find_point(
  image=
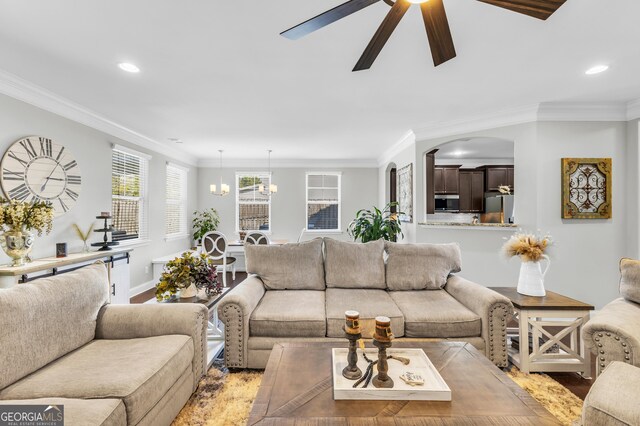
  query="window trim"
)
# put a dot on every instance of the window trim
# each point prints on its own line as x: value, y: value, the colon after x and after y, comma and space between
x: 237, y: 201
x: 143, y: 238
x: 184, y: 190
x: 306, y: 204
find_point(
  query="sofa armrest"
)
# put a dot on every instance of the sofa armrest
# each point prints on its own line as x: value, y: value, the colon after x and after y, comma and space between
x: 137, y: 321
x: 494, y: 310
x: 613, y: 334
x: 235, y: 310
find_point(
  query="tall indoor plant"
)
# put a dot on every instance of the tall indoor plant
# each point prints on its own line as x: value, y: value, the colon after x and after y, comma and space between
x: 203, y: 222
x: 19, y: 220
x: 371, y: 225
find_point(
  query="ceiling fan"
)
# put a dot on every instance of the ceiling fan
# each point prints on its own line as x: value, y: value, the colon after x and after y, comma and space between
x: 435, y: 21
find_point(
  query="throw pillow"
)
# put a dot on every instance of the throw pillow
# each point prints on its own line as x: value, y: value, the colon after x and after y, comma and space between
x: 295, y: 266
x: 420, y: 266
x: 354, y: 265
x: 630, y: 279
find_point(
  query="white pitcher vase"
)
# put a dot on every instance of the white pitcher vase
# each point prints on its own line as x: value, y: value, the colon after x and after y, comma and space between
x: 531, y: 281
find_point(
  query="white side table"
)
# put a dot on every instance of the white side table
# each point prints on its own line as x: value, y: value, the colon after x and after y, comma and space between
x: 548, y: 332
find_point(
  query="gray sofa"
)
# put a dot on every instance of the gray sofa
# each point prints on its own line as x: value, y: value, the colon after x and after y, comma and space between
x: 613, y: 334
x: 300, y: 292
x: 62, y: 343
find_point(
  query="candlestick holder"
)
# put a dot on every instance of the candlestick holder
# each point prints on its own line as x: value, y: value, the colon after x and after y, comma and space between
x: 353, y: 334
x: 382, y: 340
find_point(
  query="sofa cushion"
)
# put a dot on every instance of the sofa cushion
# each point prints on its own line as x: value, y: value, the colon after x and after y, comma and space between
x: 420, y: 266
x: 613, y: 398
x: 435, y: 313
x: 48, y: 318
x: 630, y: 279
x: 138, y: 371
x: 289, y: 313
x: 354, y: 265
x: 94, y: 412
x: 369, y: 303
x: 296, y: 266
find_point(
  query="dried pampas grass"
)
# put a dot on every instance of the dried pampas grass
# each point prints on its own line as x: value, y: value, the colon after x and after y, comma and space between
x: 530, y: 247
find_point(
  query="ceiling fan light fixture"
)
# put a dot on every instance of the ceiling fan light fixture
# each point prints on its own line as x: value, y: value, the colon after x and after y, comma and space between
x: 597, y: 69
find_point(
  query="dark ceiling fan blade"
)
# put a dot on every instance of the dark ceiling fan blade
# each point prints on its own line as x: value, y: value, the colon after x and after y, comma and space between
x: 437, y: 26
x: 326, y: 18
x: 540, y: 9
x: 381, y: 36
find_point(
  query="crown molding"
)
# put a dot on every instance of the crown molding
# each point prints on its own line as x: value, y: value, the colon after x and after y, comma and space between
x: 633, y: 110
x: 566, y: 111
x: 260, y: 163
x: 519, y: 115
x: 404, y: 142
x: 23, y: 90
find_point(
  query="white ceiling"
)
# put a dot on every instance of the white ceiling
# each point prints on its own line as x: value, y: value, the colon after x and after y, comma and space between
x: 476, y: 149
x: 217, y: 74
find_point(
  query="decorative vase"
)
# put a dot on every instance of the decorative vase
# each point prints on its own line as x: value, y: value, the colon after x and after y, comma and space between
x: 188, y: 292
x: 17, y: 244
x: 531, y: 281
x: 85, y: 247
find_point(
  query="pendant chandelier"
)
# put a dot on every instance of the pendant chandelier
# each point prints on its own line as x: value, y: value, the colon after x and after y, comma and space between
x: 224, y: 188
x: 273, y: 188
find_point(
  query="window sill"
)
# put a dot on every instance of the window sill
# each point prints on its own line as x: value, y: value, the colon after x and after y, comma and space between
x: 323, y: 231
x: 175, y: 237
x: 134, y: 243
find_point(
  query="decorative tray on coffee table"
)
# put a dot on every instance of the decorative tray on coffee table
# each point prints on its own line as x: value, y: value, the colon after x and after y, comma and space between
x: 433, y: 389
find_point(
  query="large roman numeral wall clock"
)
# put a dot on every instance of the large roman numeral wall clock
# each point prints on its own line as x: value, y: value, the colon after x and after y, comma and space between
x: 37, y: 169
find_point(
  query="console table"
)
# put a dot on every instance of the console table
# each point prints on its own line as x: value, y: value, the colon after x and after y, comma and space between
x: 116, y: 261
x: 536, y: 316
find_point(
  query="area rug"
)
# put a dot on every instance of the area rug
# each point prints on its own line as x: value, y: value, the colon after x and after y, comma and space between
x: 225, y: 399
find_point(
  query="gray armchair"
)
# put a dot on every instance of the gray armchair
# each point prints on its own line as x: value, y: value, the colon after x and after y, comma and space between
x: 613, y: 334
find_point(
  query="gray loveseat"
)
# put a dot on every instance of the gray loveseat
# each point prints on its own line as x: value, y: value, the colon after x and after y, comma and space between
x: 62, y: 343
x: 300, y: 292
x: 613, y: 334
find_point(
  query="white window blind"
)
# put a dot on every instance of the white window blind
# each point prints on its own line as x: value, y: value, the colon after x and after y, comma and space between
x: 129, y: 174
x: 323, y: 201
x: 176, y: 201
x: 253, y: 208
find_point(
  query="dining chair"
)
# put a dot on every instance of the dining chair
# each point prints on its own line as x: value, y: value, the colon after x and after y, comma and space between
x: 215, y: 245
x: 256, y: 237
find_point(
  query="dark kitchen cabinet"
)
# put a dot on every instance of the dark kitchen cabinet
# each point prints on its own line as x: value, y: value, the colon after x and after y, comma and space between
x: 446, y: 180
x: 471, y: 191
x: 510, y: 179
x: 498, y: 176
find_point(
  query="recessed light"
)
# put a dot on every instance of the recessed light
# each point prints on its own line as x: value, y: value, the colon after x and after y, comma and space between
x: 126, y: 66
x: 597, y: 69
x: 458, y: 153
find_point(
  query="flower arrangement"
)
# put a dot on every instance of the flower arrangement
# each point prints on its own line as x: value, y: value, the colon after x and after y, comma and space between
x: 29, y: 216
x: 504, y: 189
x: 183, y: 271
x: 84, y: 236
x: 530, y: 247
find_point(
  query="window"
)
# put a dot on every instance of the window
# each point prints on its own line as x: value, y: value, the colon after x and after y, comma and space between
x: 176, y: 201
x: 323, y: 201
x: 129, y: 173
x: 253, y: 208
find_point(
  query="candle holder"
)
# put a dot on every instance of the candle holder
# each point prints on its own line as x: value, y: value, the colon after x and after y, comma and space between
x: 382, y: 340
x: 353, y: 333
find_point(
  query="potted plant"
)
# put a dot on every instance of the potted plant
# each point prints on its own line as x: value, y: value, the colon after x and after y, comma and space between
x: 371, y: 225
x: 203, y: 222
x: 183, y: 275
x: 18, y: 220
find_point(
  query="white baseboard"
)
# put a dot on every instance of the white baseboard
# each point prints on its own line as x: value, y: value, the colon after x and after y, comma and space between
x: 134, y: 291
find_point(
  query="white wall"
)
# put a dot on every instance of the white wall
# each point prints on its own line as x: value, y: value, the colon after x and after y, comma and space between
x: 633, y: 189
x: 586, y: 252
x: 288, y: 206
x: 92, y: 150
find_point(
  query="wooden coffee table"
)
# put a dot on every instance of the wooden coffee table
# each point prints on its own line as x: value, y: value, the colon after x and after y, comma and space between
x: 297, y: 389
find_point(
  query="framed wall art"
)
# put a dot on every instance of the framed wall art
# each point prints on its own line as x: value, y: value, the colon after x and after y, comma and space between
x: 586, y: 188
x: 405, y: 193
